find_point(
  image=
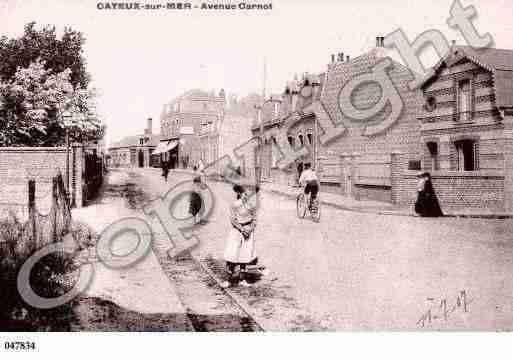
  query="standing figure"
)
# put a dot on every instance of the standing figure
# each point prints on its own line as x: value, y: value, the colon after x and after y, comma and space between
x: 427, y: 203
x: 195, y: 200
x: 165, y: 170
x: 240, y: 243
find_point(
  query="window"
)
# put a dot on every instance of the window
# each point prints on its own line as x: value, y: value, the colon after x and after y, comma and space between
x: 310, y: 138
x: 275, y: 153
x: 301, y: 141
x: 467, y: 155
x: 433, y: 154
x: 141, y: 141
x: 414, y: 165
x: 291, y: 141
x: 464, y: 100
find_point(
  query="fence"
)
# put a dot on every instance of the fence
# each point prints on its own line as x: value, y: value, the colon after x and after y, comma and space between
x: 40, y: 230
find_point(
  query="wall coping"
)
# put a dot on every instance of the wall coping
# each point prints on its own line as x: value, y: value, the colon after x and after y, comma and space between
x: 32, y: 149
x: 470, y: 174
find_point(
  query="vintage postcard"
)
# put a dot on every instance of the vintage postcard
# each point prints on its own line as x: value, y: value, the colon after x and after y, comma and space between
x: 255, y: 166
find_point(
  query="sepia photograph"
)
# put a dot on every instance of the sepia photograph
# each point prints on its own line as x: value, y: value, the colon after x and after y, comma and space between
x: 262, y: 166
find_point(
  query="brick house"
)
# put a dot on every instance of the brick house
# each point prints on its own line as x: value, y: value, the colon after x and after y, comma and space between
x: 466, y: 128
x: 134, y: 151
x: 192, y: 118
x: 359, y: 161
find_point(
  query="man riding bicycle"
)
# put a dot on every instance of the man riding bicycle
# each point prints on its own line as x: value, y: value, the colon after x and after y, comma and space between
x: 311, y: 182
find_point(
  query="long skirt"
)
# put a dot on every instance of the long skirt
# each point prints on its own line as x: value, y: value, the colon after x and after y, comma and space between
x: 427, y: 205
x: 195, y: 203
x: 239, y: 249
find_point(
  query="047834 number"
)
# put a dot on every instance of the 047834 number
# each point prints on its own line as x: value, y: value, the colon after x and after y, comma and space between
x: 20, y: 345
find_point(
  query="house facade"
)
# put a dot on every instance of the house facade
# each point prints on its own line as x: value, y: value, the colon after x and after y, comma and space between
x: 465, y: 127
x: 134, y: 151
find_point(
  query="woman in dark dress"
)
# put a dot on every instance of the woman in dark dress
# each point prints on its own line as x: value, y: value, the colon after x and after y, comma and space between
x: 195, y: 201
x: 427, y: 203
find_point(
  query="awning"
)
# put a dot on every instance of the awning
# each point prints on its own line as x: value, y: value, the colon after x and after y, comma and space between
x: 172, y: 144
x: 165, y: 146
x: 161, y: 148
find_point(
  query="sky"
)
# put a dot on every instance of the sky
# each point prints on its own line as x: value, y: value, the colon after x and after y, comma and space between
x: 140, y: 60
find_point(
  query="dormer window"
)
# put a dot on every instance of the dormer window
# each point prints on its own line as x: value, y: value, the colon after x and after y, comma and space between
x: 430, y: 104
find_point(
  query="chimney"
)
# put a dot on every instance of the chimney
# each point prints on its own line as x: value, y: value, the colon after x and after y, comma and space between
x: 293, y: 94
x: 341, y: 57
x: 380, y: 41
x: 149, y: 126
x: 332, y: 58
x: 276, y: 110
x: 347, y: 58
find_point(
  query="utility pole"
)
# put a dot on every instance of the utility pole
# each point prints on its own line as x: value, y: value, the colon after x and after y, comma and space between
x: 260, y: 147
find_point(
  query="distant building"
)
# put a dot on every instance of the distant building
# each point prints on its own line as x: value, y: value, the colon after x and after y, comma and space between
x: 134, y: 151
x: 191, y: 120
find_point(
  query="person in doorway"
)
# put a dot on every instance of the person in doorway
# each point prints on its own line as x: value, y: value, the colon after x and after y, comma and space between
x: 427, y: 203
x: 240, y: 243
x: 311, y: 182
x: 195, y: 200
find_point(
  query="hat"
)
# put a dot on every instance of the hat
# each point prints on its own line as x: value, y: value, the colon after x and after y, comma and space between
x: 423, y: 174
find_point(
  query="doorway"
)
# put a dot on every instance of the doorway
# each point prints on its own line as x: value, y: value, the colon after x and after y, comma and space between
x: 141, y: 159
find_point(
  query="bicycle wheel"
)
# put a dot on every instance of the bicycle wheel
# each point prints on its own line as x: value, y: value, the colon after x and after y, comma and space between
x: 301, y: 205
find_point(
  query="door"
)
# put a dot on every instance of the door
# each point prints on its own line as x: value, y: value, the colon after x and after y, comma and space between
x: 141, y: 159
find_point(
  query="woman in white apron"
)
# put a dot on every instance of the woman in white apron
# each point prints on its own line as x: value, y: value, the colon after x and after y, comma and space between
x: 240, y: 243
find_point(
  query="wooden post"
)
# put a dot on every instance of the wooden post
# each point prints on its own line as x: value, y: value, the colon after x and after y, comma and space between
x: 32, y: 212
x: 55, y: 193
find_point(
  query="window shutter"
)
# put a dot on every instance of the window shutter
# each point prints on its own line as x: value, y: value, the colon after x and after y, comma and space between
x: 476, y: 156
x: 457, y: 92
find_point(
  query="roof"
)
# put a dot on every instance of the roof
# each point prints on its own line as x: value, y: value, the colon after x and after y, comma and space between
x: 131, y: 141
x: 497, y: 61
x: 199, y: 95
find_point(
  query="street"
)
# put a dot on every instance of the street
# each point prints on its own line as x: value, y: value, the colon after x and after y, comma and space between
x: 356, y: 271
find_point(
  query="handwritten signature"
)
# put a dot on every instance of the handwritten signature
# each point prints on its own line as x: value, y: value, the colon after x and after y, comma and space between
x: 445, y: 309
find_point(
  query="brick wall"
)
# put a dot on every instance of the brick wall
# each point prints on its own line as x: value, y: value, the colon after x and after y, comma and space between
x: 403, y: 135
x: 458, y: 190
x: 372, y: 192
x: 19, y: 164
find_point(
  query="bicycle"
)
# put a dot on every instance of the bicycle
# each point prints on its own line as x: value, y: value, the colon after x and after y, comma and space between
x: 302, y: 206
